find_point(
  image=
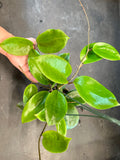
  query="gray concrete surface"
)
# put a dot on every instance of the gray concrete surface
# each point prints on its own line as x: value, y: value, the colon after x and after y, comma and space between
x: 94, y: 139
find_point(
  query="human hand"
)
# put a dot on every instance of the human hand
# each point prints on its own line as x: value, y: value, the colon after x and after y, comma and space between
x: 21, y: 63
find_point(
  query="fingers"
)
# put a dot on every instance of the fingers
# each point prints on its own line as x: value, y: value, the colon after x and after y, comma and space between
x: 33, y: 40
x: 30, y: 77
x: 25, y: 70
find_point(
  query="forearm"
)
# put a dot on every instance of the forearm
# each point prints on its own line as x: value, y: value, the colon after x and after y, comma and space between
x: 4, y: 35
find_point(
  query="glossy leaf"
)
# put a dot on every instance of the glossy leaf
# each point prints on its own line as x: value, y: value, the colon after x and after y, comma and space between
x: 54, y: 142
x: 94, y: 93
x: 54, y: 68
x: 41, y: 116
x: 52, y: 41
x: 61, y: 127
x: 71, y: 121
x: 66, y: 56
x: 33, y: 106
x: 75, y: 95
x: 91, y: 56
x: 56, y: 107
x: 17, y: 46
x: 29, y: 91
x: 106, y: 51
x: 35, y: 70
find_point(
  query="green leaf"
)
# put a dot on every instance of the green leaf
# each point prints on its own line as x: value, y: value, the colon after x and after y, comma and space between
x: 29, y: 91
x: 76, y: 96
x: 56, y: 107
x: 34, y: 69
x: 41, y: 116
x: 54, y: 142
x: 66, y: 56
x: 17, y: 46
x: 106, y: 51
x: 71, y: 121
x: 54, y: 68
x: 20, y: 105
x: 52, y: 41
x: 94, y: 93
x: 33, y: 106
x: 61, y: 127
x: 91, y: 56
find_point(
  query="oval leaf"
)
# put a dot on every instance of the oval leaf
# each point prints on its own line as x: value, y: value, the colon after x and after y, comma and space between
x: 54, y: 142
x: 94, y: 93
x: 54, y: 68
x: 71, y: 121
x: 35, y: 70
x: 61, y: 127
x: 33, y: 106
x: 56, y: 107
x: 66, y: 56
x: 41, y: 115
x: 106, y: 51
x: 52, y: 41
x: 17, y: 46
x: 91, y: 56
x: 75, y: 95
x: 29, y: 91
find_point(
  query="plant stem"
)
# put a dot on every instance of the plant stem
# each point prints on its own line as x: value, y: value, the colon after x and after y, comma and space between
x: 40, y: 139
x: 81, y: 64
x: 84, y: 115
x: 65, y: 84
x: 70, y: 82
x: 43, y: 86
x: 87, y: 20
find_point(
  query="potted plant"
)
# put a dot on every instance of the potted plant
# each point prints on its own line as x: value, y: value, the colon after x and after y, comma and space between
x: 55, y: 104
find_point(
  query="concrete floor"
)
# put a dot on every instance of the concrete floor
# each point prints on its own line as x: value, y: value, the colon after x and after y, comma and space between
x: 94, y: 139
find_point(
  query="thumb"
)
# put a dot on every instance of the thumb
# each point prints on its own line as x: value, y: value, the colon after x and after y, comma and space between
x: 30, y: 77
x: 25, y: 70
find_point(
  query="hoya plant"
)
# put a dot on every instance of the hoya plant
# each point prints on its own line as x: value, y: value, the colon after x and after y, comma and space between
x: 55, y: 105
